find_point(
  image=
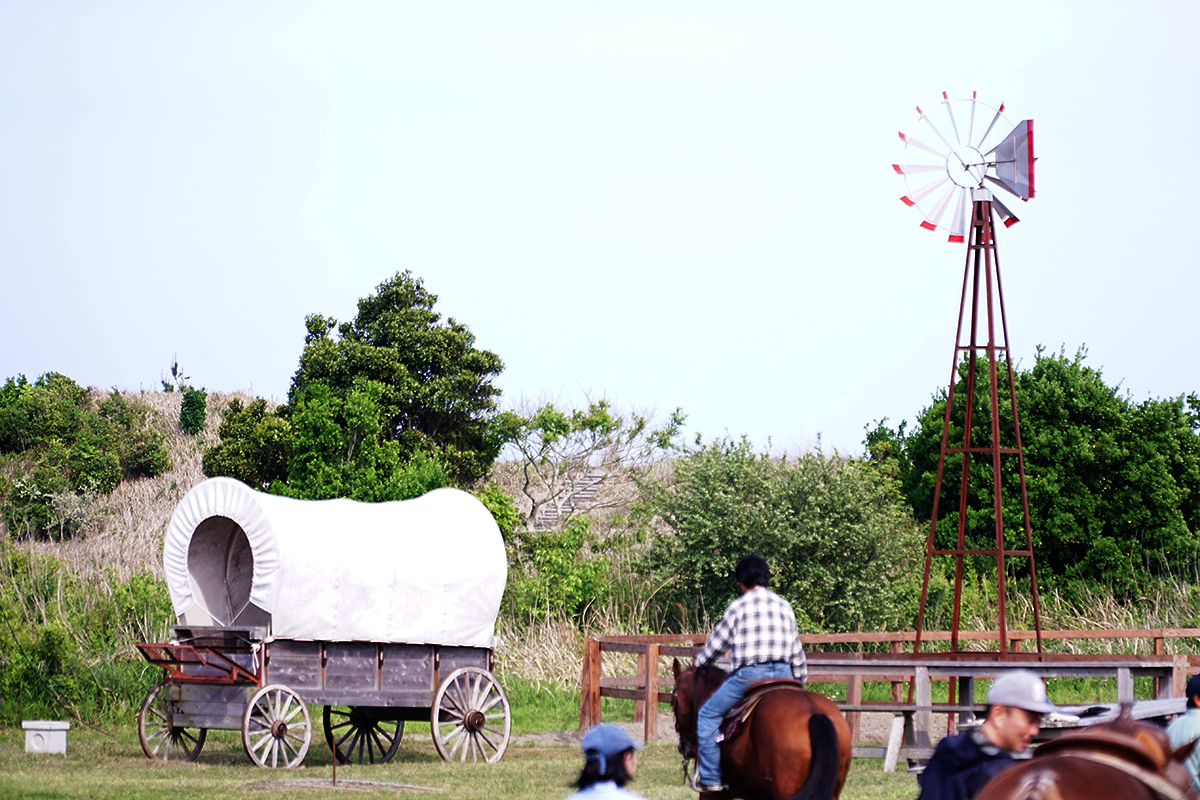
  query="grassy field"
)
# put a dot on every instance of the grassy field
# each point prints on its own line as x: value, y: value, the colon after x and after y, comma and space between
x: 110, y: 764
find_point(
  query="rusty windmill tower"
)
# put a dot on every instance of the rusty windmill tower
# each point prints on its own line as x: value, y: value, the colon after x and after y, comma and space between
x: 954, y: 156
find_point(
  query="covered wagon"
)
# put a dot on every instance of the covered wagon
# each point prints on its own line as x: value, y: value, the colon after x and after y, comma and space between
x: 380, y: 612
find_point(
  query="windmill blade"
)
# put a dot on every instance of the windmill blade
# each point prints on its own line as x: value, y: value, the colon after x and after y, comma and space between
x: 971, y: 124
x: 953, y: 124
x: 959, y: 223
x: 1014, y: 161
x: 991, y: 125
x: 922, y: 193
x: 1007, y: 217
x: 935, y: 216
x: 929, y: 122
x: 920, y: 146
x: 912, y: 169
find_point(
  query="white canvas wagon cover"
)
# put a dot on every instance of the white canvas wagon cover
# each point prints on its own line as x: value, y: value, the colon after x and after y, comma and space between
x: 429, y: 570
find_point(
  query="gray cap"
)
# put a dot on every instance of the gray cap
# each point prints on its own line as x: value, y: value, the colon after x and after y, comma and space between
x: 1020, y: 689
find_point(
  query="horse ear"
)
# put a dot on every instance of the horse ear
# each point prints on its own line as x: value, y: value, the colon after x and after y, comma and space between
x: 675, y: 668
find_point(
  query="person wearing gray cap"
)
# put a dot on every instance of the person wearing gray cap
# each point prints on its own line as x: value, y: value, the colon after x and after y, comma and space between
x: 1186, y: 728
x: 609, y: 761
x: 963, y: 763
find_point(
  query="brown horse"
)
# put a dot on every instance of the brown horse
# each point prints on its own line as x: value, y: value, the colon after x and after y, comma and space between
x: 1124, y: 759
x: 794, y: 746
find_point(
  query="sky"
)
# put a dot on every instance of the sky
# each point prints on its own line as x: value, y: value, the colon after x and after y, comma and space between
x: 668, y: 205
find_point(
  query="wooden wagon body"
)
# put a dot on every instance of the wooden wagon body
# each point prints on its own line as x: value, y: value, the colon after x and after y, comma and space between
x: 221, y: 673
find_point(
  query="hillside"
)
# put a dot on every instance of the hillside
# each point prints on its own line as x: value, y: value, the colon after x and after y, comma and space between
x: 126, y: 528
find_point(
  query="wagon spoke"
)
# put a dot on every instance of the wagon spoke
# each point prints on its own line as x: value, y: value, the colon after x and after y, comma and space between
x: 483, y: 737
x: 348, y: 735
x: 459, y: 701
x: 160, y: 738
x: 377, y: 738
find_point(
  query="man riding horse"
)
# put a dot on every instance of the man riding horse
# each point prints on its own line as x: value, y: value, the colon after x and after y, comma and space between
x: 759, y: 631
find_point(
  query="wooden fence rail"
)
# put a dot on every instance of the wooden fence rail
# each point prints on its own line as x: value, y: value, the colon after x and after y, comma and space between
x: 647, y: 688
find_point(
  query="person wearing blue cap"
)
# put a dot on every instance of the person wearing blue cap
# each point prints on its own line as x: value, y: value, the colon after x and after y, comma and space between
x: 963, y: 763
x: 609, y: 761
x: 1186, y: 728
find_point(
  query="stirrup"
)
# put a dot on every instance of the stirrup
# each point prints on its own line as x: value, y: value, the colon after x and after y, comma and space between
x: 703, y: 788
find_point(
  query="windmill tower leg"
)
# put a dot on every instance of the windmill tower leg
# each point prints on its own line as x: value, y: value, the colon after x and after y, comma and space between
x: 980, y: 459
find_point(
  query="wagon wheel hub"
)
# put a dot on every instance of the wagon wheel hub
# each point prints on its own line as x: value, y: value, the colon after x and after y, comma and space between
x: 475, y: 721
x: 279, y: 729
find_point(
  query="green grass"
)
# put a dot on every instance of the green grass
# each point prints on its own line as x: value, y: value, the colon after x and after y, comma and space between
x: 549, y: 706
x: 110, y: 764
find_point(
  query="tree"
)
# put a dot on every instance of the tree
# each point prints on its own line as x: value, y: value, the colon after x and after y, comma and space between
x: 1113, y: 485
x: 255, y: 445
x: 841, y: 542
x: 436, y: 392
x: 393, y: 405
x: 569, y: 460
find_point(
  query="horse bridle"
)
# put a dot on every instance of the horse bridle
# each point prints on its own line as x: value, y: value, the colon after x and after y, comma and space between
x: 687, y: 751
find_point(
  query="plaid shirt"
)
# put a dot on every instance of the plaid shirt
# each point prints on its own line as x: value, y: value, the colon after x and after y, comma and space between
x: 758, y: 627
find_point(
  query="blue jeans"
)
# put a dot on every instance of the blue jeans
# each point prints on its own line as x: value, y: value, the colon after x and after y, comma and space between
x: 727, y: 695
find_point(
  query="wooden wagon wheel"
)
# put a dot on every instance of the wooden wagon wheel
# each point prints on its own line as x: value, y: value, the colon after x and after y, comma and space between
x: 358, y: 735
x: 276, y: 727
x: 160, y: 738
x: 471, y: 716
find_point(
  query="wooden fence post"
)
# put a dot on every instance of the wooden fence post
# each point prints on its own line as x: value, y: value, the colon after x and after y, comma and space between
x: 854, y: 684
x: 650, y: 704
x: 1159, y: 649
x: 589, y: 685
x: 897, y: 646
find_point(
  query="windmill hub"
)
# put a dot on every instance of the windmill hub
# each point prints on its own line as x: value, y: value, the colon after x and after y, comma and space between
x: 966, y: 167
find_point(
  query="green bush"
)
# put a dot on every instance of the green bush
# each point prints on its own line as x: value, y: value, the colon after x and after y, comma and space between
x: 841, y: 542
x: 192, y: 411
x: 555, y: 574
x: 1113, y: 484
x: 59, y: 442
x: 66, y: 648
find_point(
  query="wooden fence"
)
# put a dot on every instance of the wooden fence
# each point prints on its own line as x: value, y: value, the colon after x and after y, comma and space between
x: 647, y: 688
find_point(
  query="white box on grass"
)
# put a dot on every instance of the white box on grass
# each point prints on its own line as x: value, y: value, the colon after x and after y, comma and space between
x: 45, y: 736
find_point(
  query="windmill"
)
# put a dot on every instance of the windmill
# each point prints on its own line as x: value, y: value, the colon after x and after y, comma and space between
x: 953, y: 157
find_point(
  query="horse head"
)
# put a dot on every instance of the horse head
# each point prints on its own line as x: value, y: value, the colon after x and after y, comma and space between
x: 692, y: 688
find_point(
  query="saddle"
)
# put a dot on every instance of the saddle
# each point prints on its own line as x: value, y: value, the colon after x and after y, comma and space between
x: 1136, y: 753
x: 736, y: 717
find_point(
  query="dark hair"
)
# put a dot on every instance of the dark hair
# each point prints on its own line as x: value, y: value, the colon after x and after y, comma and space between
x: 752, y: 570
x: 614, y: 770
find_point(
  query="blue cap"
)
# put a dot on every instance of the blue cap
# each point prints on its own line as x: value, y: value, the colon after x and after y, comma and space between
x: 605, y: 741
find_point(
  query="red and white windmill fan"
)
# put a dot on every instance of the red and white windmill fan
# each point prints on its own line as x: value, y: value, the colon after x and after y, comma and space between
x: 951, y: 153
x: 952, y: 150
